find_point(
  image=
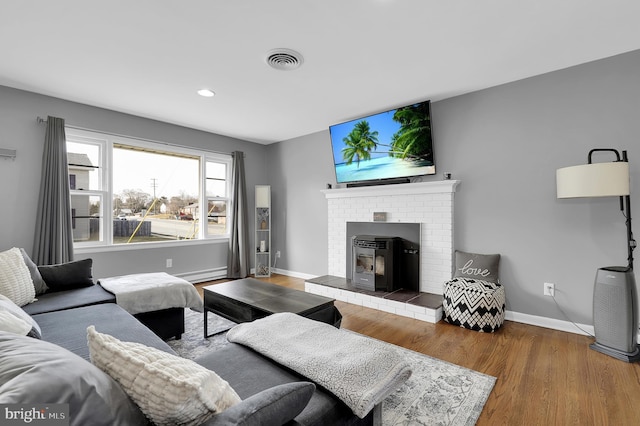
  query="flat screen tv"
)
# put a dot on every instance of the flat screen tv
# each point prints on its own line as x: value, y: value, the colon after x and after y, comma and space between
x: 386, y: 147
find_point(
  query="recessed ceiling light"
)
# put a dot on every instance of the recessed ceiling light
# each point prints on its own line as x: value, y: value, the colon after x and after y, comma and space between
x: 207, y: 93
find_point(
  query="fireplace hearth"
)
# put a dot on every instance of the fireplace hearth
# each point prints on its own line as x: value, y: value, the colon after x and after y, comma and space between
x: 412, y: 304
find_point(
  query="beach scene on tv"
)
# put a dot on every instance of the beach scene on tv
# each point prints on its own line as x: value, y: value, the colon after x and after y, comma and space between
x: 388, y: 145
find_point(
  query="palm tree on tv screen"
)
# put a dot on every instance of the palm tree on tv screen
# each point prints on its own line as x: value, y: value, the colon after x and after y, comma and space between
x: 359, y: 143
x: 413, y: 140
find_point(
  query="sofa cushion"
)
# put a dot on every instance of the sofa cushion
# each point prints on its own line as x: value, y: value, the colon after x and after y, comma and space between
x: 37, y: 372
x: 68, y: 328
x: 274, y: 406
x: 477, y: 266
x: 38, y: 283
x: 15, y: 280
x: 67, y: 276
x: 170, y: 390
x: 231, y: 361
x: 69, y: 299
x: 7, y: 307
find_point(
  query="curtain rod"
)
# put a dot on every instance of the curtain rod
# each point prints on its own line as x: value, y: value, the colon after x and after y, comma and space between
x: 41, y: 120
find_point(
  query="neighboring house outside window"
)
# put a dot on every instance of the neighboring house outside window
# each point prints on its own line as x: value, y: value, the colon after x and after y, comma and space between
x: 125, y: 190
x: 80, y: 167
x: 217, y: 196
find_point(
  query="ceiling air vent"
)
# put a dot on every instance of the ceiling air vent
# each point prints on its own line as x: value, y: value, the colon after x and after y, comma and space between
x: 284, y: 59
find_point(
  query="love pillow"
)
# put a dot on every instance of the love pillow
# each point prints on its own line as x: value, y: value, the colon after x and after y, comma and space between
x: 477, y: 266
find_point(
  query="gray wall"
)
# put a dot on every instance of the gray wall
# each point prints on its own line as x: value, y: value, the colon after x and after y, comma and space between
x: 298, y: 170
x: 504, y: 144
x: 20, y: 179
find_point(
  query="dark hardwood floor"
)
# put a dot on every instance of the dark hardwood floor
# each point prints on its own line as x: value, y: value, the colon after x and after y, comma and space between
x: 544, y: 376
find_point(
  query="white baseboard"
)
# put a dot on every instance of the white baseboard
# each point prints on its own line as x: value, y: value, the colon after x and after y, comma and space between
x: 288, y: 273
x: 293, y: 274
x: 554, y: 324
x: 551, y: 323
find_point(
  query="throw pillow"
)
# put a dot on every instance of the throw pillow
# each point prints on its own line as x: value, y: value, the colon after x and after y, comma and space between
x: 7, y: 306
x: 15, y: 281
x: 274, y: 406
x: 13, y: 324
x: 38, y: 372
x: 169, y: 389
x: 67, y: 276
x: 477, y: 266
x: 38, y: 283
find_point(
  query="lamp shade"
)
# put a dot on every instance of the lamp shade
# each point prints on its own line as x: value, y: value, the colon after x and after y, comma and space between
x: 263, y: 194
x: 593, y: 180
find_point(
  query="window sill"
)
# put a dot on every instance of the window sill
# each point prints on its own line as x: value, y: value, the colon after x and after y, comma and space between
x: 148, y: 246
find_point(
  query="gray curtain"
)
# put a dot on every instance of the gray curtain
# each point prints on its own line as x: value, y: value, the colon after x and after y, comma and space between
x: 54, y: 236
x: 238, y: 258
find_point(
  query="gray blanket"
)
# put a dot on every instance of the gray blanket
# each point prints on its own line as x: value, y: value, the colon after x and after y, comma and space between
x: 358, y: 370
x: 152, y: 292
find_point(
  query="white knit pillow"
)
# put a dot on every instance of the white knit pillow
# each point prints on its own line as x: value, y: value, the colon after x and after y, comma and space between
x: 169, y: 390
x: 15, y: 280
x: 13, y: 324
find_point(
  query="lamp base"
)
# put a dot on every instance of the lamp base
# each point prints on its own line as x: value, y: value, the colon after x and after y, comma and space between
x: 622, y: 356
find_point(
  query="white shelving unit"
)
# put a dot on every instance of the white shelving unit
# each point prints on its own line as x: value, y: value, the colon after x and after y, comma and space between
x: 263, y: 231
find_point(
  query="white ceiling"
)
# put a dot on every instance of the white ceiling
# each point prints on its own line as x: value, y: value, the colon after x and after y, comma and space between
x: 149, y: 57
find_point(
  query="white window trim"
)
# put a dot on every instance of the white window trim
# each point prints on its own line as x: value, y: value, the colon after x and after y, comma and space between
x: 106, y: 142
x: 204, y: 199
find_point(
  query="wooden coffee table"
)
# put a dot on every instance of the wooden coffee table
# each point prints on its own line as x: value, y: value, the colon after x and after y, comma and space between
x: 250, y: 299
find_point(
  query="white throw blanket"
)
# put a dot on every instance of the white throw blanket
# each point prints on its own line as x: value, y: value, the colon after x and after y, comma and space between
x: 359, y: 370
x: 152, y: 292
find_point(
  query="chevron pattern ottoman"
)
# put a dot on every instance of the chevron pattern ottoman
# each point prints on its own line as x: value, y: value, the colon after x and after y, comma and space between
x: 474, y: 304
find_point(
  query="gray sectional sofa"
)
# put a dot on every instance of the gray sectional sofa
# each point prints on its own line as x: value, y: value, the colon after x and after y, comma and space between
x: 56, y: 369
x: 166, y: 323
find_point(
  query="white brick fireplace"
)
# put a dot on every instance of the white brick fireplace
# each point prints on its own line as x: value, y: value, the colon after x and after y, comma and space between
x: 427, y: 203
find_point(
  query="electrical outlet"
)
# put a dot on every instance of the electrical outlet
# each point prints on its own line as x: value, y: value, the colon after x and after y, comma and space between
x: 169, y: 263
x: 278, y: 254
x: 549, y: 289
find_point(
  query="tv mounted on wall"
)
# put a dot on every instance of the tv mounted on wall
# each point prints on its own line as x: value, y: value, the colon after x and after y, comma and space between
x: 388, y: 147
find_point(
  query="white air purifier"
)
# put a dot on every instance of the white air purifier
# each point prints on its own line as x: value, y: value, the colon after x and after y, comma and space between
x: 615, y: 313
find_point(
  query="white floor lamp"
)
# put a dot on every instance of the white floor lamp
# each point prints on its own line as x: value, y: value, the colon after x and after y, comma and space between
x: 615, y: 310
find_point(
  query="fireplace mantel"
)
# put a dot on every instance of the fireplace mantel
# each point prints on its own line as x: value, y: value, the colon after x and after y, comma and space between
x: 435, y: 187
x: 427, y: 203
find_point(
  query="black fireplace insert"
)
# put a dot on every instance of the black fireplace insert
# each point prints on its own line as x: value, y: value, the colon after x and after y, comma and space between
x: 383, y: 256
x: 374, y: 260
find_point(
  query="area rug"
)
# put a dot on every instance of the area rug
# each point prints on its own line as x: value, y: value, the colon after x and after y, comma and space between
x: 437, y: 393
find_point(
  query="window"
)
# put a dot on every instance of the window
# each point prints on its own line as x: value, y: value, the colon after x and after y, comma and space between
x: 216, y: 193
x: 125, y: 191
x: 85, y: 156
